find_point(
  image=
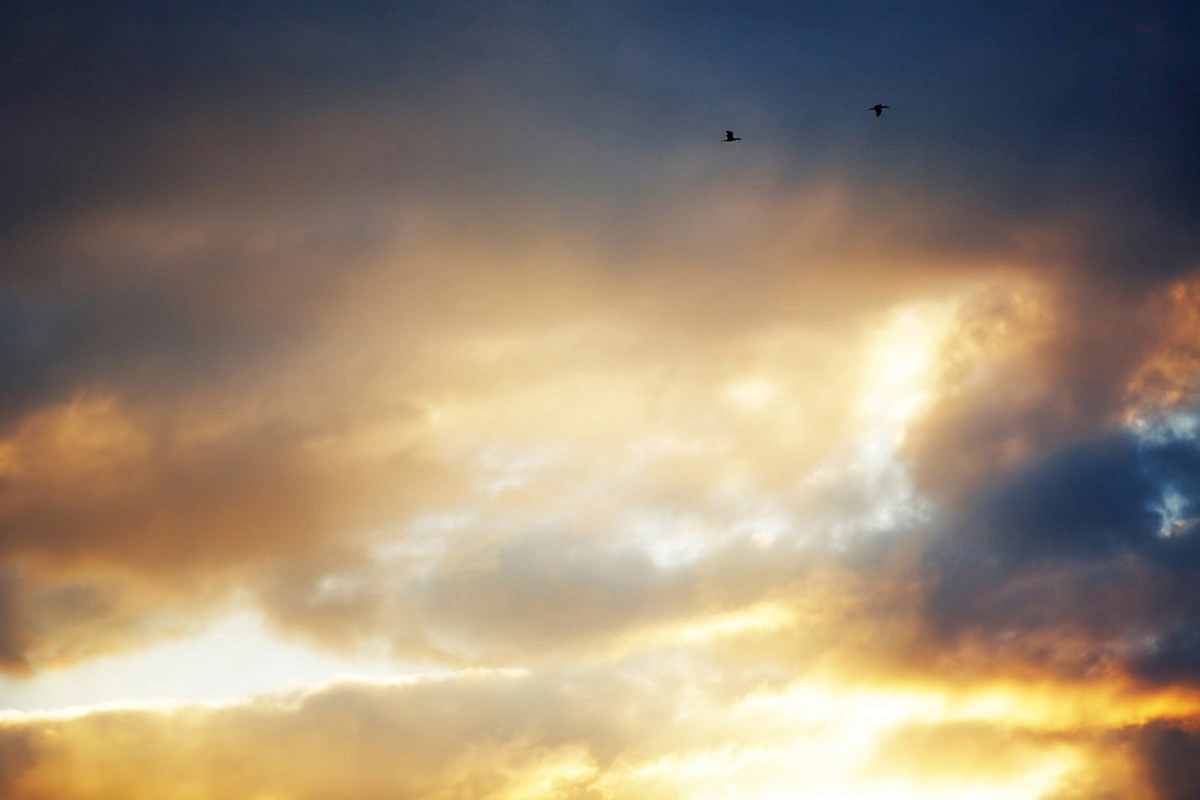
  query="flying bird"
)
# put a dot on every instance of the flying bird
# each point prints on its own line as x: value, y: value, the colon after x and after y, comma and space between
x: 729, y: 137
x: 877, y: 108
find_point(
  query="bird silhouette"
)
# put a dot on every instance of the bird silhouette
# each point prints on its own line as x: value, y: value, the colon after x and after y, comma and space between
x: 729, y: 137
x: 877, y: 108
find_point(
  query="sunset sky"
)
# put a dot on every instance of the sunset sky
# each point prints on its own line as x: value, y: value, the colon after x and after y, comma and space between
x: 420, y: 400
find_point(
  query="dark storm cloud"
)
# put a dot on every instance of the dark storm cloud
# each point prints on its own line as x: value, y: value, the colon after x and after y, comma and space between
x: 1007, y: 116
x: 157, y: 306
x: 1095, y: 546
x: 1170, y: 754
x: 146, y: 154
x: 120, y: 105
x: 1173, y: 655
x: 1060, y: 137
x: 136, y: 105
x: 1088, y: 501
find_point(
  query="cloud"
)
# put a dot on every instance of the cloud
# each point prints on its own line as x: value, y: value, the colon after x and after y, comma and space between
x: 1082, y: 562
x: 120, y: 525
x: 632, y: 730
x: 457, y: 334
x: 1169, y: 755
x: 627, y: 485
x: 1037, y: 365
x: 478, y: 736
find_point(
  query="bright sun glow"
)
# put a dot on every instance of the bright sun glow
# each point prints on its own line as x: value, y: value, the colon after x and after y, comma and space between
x: 236, y: 658
x: 821, y: 742
x: 900, y: 365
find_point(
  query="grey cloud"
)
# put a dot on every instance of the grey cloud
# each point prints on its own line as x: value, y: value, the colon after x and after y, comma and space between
x: 1090, y: 501
x: 520, y: 600
x: 1171, y: 756
x: 13, y: 636
x: 1172, y: 653
x: 544, y: 590
x: 1071, y: 548
x: 590, y: 103
x: 18, y: 754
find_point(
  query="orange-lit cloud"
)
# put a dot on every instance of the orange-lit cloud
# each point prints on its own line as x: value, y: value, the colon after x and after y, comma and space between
x: 623, y: 733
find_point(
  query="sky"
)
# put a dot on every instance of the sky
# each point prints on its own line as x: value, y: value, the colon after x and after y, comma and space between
x: 423, y: 401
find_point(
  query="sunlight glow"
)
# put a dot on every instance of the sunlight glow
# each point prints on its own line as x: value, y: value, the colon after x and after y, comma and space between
x: 236, y: 658
x: 818, y: 741
x: 900, y: 365
x: 555, y: 773
x: 751, y: 395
